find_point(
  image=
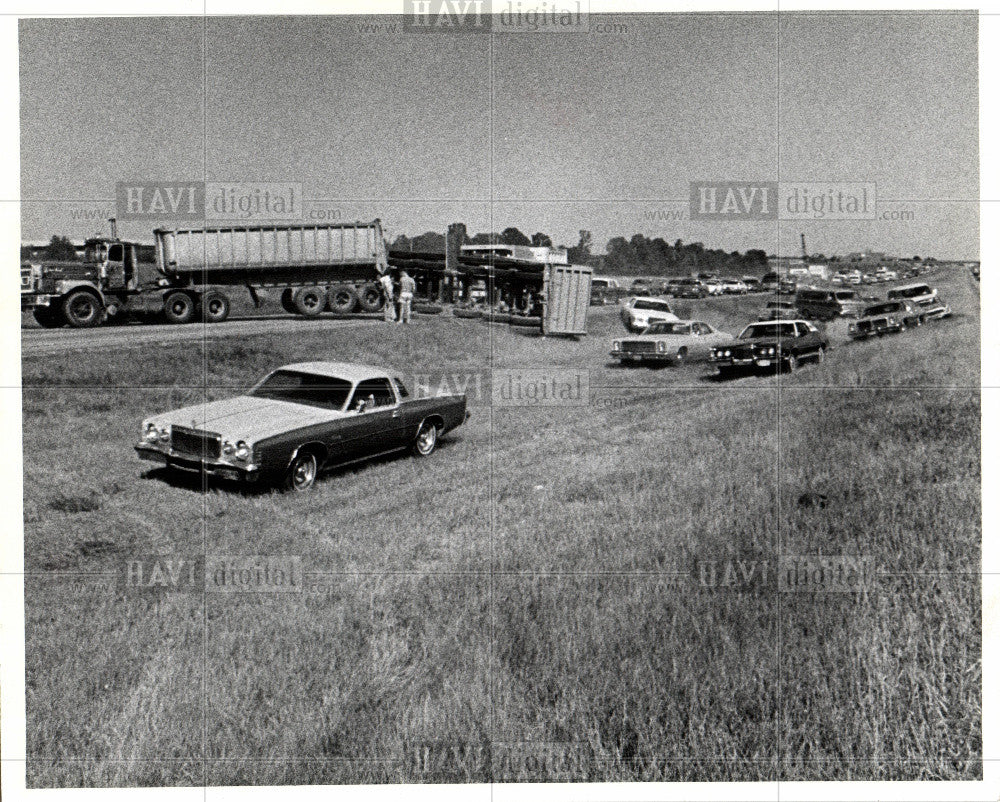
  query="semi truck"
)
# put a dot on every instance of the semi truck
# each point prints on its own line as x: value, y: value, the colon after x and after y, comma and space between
x: 332, y: 266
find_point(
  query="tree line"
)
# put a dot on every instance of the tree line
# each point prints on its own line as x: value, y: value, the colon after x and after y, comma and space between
x: 636, y: 256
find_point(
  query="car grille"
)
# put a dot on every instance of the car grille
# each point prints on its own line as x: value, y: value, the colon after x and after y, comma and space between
x: 26, y: 281
x: 865, y: 325
x: 195, y: 443
x: 742, y: 352
x: 638, y: 347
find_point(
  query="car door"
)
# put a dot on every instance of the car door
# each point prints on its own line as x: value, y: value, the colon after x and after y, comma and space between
x: 381, y: 428
x: 701, y: 341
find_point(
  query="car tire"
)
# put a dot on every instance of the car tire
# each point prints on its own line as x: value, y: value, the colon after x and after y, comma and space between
x: 310, y: 301
x: 820, y: 355
x: 682, y: 354
x: 178, y: 307
x: 426, y: 440
x: 903, y: 326
x: 302, y: 471
x: 342, y: 299
x: 48, y: 318
x: 467, y: 314
x: 213, y: 307
x: 82, y: 309
x: 792, y: 362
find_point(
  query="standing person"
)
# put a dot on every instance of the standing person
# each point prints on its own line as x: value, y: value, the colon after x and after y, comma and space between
x: 388, y: 299
x: 407, y: 286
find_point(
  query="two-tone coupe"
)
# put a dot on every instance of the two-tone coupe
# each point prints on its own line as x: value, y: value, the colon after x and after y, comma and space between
x: 670, y: 343
x: 771, y: 344
x: 886, y: 317
x: 298, y: 420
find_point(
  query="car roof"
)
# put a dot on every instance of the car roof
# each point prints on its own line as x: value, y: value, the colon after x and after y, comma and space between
x: 772, y: 322
x: 349, y: 371
x: 912, y: 286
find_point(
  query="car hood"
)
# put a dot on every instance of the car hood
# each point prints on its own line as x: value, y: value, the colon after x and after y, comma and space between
x: 646, y: 313
x: 247, y: 418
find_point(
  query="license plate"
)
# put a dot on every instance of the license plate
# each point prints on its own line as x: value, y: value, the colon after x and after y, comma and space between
x: 764, y: 362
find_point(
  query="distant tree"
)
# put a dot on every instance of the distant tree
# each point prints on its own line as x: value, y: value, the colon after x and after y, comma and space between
x: 580, y: 253
x: 402, y: 243
x: 540, y: 240
x: 484, y: 239
x: 429, y: 242
x: 60, y: 249
x: 512, y: 236
x: 916, y: 258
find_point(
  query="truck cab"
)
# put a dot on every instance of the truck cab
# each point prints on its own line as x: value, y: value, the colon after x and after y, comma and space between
x: 81, y: 293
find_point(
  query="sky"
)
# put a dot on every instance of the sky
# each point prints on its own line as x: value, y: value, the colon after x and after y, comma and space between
x: 601, y: 130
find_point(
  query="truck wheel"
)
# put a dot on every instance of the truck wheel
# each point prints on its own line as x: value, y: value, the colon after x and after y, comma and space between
x: 82, y: 309
x: 178, y: 307
x: 286, y: 301
x: 370, y: 298
x: 343, y: 299
x: 213, y: 307
x: 48, y: 318
x: 309, y: 301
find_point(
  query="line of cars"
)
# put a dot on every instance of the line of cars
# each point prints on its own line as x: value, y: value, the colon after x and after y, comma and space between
x: 783, y: 337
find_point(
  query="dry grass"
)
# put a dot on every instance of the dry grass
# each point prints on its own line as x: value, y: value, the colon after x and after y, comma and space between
x: 506, y: 609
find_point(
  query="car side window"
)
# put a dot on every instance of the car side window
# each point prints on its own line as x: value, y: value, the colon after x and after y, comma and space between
x: 401, y: 388
x: 375, y: 393
x: 701, y: 328
x: 801, y: 330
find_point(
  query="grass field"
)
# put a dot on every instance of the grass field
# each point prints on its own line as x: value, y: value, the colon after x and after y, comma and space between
x: 529, y: 602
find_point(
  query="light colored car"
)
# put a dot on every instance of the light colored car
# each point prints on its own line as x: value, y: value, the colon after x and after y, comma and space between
x: 714, y: 286
x: 673, y: 343
x: 639, y: 313
x: 734, y: 286
x: 924, y: 296
x: 298, y: 420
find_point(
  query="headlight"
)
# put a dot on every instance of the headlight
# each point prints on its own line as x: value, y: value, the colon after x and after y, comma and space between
x: 151, y: 435
x: 242, y: 451
x: 228, y: 448
x: 728, y: 352
x: 165, y: 434
x: 616, y: 346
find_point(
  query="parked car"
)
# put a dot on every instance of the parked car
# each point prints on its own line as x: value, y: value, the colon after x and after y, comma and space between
x: 854, y: 277
x: 818, y: 304
x: 734, y: 286
x: 779, y: 310
x: 689, y: 288
x: 867, y: 278
x: 787, y: 286
x: 602, y: 283
x: 886, y: 317
x: 298, y: 420
x: 752, y: 283
x: 769, y: 282
x: 924, y: 296
x: 771, y: 344
x: 713, y: 286
x: 638, y: 313
x: 840, y: 277
x: 674, y: 342
x: 642, y: 286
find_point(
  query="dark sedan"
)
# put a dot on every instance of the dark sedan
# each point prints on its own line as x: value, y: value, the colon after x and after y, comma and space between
x: 771, y: 344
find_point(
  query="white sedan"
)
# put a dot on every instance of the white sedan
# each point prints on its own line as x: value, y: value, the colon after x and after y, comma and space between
x: 639, y: 313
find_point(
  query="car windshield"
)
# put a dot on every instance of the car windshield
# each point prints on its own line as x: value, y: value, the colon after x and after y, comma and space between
x: 758, y: 330
x: 882, y: 309
x: 911, y: 292
x: 845, y: 296
x: 325, y: 392
x: 669, y: 328
x: 651, y: 305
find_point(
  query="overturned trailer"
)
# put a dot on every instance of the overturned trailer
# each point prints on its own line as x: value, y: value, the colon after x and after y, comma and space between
x: 532, y: 286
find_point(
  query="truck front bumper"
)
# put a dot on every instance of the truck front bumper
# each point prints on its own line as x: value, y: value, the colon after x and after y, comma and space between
x: 32, y: 301
x: 222, y: 470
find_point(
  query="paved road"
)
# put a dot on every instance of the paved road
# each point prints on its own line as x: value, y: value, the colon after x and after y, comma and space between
x: 41, y: 342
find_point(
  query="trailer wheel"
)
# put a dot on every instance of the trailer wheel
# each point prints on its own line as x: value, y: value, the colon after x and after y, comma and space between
x: 370, y: 298
x: 309, y: 301
x: 213, y: 307
x: 178, y: 307
x: 49, y: 318
x: 82, y: 309
x: 286, y: 301
x: 526, y: 321
x: 343, y: 299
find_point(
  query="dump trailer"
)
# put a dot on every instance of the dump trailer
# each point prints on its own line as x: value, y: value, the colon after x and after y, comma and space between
x: 333, y: 266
